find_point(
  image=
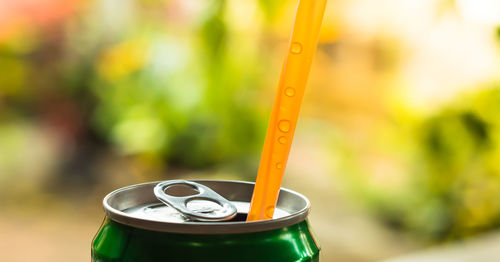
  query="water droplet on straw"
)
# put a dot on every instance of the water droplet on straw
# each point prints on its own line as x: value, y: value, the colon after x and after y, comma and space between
x: 282, y: 140
x: 296, y: 48
x: 269, y: 211
x: 289, y: 91
x: 279, y: 165
x: 284, y: 125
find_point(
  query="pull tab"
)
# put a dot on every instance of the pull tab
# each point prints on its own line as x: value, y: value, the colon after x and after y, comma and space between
x: 224, y: 210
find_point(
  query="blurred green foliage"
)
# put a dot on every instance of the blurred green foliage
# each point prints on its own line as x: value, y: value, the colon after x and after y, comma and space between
x: 157, y: 79
x: 452, y: 183
x: 178, y: 96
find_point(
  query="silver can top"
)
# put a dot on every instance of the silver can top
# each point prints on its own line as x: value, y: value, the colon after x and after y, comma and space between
x: 202, y: 205
x: 138, y: 206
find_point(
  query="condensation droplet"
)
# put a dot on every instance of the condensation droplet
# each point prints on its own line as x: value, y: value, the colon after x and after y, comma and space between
x: 282, y: 140
x: 284, y: 125
x: 296, y: 48
x: 279, y: 165
x: 269, y: 212
x: 289, y: 91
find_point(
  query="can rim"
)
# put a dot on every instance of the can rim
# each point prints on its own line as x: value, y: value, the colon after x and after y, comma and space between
x: 117, y: 215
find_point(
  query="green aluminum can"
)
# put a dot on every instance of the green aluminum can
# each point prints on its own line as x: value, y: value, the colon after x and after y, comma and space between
x: 140, y: 228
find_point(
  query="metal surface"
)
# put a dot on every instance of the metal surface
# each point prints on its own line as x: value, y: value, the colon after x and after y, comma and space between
x: 119, y: 203
x: 206, y: 205
x: 163, y: 213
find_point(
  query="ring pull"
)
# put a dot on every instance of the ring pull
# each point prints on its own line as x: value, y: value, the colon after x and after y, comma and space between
x: 219, y: 209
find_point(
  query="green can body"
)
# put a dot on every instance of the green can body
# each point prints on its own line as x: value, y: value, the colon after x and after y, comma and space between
x: 131, y: 232
x: 117, y: 242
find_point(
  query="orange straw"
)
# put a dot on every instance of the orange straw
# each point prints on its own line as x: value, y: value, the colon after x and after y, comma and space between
x: 286, y: 108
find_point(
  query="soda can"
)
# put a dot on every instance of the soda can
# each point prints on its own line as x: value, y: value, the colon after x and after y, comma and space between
x: 146, y: 222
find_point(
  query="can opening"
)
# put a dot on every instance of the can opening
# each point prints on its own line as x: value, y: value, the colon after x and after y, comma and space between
x: 240, y: 217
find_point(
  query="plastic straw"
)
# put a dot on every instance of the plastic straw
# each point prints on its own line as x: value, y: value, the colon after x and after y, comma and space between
x: 285, y: 112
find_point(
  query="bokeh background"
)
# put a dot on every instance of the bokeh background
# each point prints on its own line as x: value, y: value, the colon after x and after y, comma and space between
x: 398, y: 145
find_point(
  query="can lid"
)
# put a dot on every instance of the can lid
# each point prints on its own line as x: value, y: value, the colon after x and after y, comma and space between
x: 137, y: 206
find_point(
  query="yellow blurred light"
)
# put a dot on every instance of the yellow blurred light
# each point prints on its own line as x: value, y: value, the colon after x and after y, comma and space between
x: 242, y: 15
x: 122, y: 59
x: 330, y: 28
